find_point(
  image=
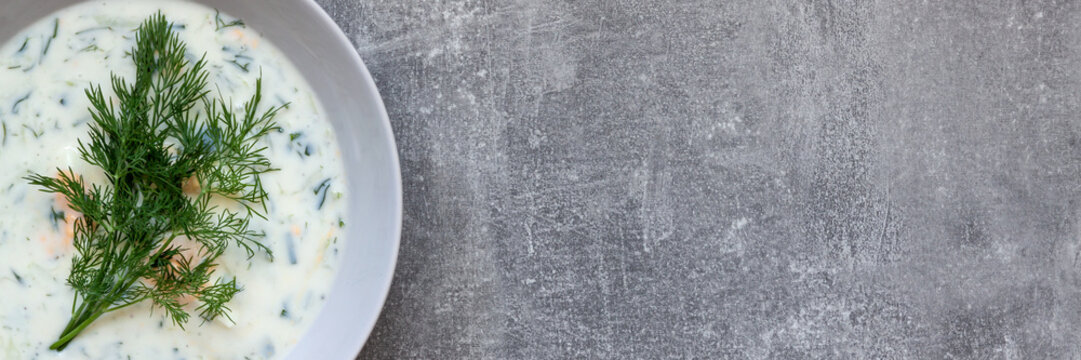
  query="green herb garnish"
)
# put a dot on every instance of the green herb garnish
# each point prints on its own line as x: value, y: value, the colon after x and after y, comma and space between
x: 222, y: 24
x: 142, y: 236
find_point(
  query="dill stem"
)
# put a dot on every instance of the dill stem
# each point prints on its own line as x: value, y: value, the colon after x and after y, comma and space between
x: 71, y: 323
x: 84, y: 317
x: 68, y: 335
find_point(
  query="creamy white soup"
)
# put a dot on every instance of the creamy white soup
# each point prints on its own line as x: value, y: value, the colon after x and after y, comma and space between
x: 44, y: 113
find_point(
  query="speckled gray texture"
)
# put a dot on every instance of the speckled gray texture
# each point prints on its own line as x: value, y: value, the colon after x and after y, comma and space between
x: 731, y: 179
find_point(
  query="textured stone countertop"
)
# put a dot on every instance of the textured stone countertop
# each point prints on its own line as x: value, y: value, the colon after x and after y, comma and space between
x: 731, y: 179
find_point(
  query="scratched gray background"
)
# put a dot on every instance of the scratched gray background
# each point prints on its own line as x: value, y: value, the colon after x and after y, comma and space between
x: 731, y: 179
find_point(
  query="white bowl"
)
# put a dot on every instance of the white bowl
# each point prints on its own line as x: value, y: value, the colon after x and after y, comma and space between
x: 311, y: 40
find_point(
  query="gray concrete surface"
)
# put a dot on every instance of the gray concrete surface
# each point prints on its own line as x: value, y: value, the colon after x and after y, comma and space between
x: 759, y: 179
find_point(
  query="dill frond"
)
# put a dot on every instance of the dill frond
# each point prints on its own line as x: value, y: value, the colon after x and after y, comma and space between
x: 160, y: 131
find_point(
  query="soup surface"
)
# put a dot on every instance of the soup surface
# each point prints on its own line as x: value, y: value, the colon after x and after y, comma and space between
x: 43, y: 113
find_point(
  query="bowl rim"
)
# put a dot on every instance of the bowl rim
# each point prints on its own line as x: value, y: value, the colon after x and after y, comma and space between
x: 354, y: 56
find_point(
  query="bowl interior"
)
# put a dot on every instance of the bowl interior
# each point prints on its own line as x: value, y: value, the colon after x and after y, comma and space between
x: 342, y: 83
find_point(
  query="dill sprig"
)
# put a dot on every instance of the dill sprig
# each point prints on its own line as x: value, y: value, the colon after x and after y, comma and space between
x: 141, y: 237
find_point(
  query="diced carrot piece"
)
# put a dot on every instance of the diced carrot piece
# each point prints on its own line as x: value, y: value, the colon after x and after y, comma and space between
x: 68, y: 229
x: 192, y: 186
